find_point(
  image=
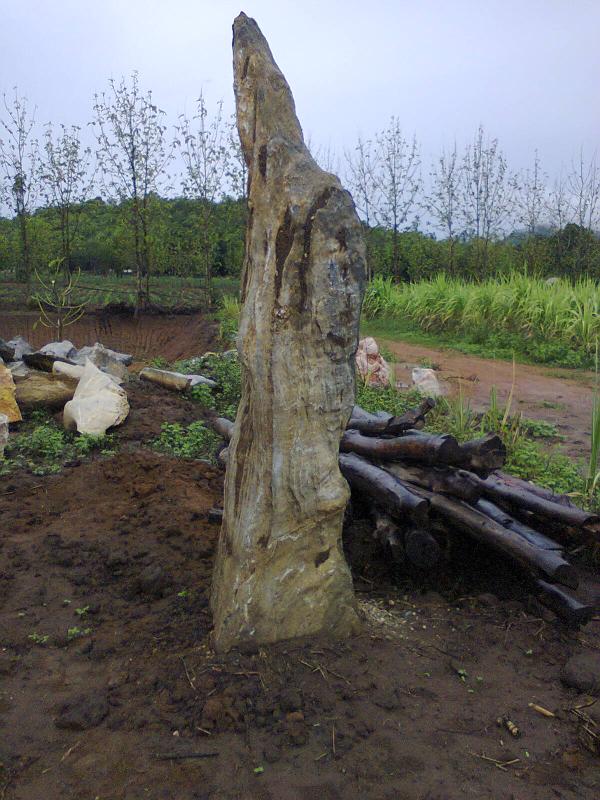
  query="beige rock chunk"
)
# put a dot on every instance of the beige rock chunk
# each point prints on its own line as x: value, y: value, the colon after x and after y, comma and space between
x: 43, y: 390
x: 99, y: 403
x: 280, y: 571
x: 370, y: 364
x: 8, y: 401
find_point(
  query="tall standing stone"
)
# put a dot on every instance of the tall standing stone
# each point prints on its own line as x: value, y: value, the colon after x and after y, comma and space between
x: 280, y: 571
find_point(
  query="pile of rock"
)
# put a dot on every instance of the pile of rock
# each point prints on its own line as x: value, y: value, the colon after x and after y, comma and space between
x: 86, y: 383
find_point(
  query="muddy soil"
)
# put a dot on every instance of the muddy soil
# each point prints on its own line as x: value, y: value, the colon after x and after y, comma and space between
x: 561, y: 396
x: 171, y: 336
x: 125, y: 700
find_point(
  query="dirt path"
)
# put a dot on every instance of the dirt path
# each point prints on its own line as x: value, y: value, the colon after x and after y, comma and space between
x: 560, y: 396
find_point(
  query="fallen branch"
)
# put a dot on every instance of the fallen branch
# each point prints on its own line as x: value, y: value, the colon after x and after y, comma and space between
x: 549, y: 562
x: 423, y: 448
x: 485, y: 454
x: 564, y: 604
x: 375, y: 425
x: 524, y: 500
x: 383, y: 488
x: 456, y: 482
x: 503, y: 518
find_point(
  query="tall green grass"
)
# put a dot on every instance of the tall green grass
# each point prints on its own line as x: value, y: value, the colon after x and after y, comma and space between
x: 550, y: 323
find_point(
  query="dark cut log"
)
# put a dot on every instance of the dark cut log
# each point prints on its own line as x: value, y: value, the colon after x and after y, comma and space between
x: 540, y: 491
x: 456, y: 482
x: 44, y: 361
x: 422, y: 549
x: 360, y: 414
x: 389, y: 535
x: 564, y: 604
x: 372, y: 425
x: 503, y: 518
x: 520, y: 500
x: 480, y: 527
x: 222, y: 426
x: 484, y: 454
x: 424, y: 448
x: 415, y: 544
x: 396, y: 498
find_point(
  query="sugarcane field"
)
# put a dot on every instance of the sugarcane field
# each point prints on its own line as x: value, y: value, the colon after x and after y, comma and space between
x: 299, y: 418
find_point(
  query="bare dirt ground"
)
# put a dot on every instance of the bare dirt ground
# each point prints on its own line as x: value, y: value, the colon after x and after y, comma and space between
x: 560, y: 396
x: 139, y: 707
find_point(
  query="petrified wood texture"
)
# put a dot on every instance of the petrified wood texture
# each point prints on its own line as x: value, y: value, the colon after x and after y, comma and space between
x: 280, y: 571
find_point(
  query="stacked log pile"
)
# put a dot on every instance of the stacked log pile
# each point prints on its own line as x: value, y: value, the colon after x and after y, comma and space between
x: 425, y: 489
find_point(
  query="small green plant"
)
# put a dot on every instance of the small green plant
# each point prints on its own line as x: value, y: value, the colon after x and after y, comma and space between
x: 184, y: 594
x: 46, y: 441
x: 428, y: 363
x: 43, y: 447
x: 81, y: 612
x: 192, y: 441
x: 75, y: 632
x: 592, y: 473
x: 229, y: 318
x: 226, y: 371
x: 387, y: 354
x: 85, y: 443
x: 539, y: 428
x: 203, y: 395
x: 159, y: 362
x: 39, y: 639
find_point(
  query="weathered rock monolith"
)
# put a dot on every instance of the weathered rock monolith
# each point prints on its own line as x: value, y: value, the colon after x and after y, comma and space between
x: 280, y: 570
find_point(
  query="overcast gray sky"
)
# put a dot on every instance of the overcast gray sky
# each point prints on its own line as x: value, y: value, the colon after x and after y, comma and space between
x: 529, y: 70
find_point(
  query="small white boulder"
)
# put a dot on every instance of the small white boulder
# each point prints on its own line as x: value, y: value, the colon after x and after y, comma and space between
x: 64, y: 349
x: 425, y: 380
x: 98, y: 403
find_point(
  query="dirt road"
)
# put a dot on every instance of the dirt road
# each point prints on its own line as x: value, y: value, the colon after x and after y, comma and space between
x: 561, y: 396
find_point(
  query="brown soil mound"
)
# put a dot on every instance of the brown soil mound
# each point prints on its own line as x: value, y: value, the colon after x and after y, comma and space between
x: 140, y: 707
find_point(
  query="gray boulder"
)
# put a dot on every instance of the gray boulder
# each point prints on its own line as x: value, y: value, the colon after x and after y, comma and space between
x: 20, y: 346
x: 19, y: 369
x: 64, y: 349
x: 107, y: 360
x: 98, y: 350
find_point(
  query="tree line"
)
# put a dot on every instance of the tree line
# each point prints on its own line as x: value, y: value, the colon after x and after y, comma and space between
x: 160, y: 199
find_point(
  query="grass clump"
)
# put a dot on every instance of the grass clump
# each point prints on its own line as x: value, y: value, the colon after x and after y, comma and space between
x: 42, y: 447
x: 226, y: 371
x: 194, y: 441
x: 229, y: 318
